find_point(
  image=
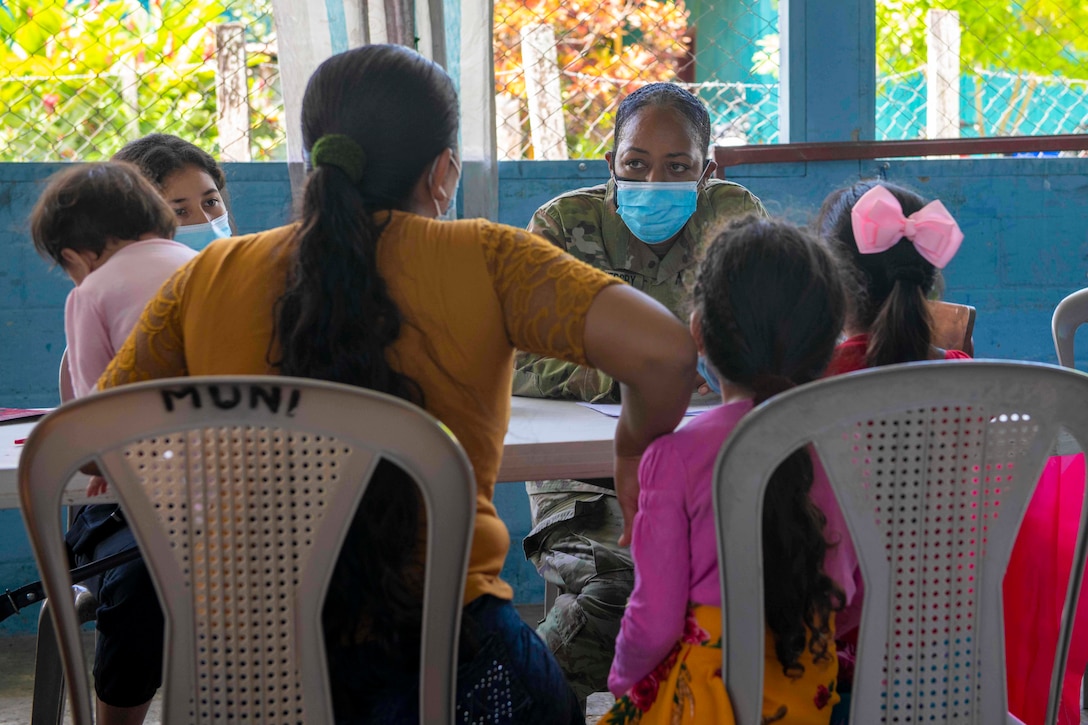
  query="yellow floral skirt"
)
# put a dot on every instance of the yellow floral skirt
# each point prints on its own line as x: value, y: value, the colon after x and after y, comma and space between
x: 687, y: 688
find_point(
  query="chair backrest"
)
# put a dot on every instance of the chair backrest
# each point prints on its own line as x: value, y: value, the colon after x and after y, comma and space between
x: 953, y: 326
x: 240, y: 491
x: 64, y: 379
x: 933, y: 465
x: 1070, y: 314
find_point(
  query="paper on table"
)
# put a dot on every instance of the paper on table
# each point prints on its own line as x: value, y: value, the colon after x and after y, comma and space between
x: 7, y: 414
x: 612, y: 410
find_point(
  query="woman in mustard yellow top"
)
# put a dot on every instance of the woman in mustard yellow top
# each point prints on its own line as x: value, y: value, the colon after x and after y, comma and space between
x: 369, y: 288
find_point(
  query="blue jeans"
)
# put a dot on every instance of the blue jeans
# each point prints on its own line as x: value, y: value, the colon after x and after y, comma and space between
x: 505, y: 674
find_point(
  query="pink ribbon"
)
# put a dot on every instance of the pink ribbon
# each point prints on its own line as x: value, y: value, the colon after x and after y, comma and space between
x: 879, y: 224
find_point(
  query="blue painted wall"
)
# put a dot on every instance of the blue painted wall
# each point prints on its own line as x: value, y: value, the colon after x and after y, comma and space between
x: 32, y: 317
x: 1026, y: 247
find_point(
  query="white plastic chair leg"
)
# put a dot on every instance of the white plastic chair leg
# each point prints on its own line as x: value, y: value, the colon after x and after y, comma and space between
x: 47, y: 705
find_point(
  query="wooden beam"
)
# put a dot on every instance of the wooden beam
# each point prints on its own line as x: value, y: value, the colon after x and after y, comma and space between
x: 232, y: 92
x: 547, y: 128
x: 942, y: 74
x: 792, y: 153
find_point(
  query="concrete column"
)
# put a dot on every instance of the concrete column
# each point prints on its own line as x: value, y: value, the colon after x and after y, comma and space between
x: 232, y: 92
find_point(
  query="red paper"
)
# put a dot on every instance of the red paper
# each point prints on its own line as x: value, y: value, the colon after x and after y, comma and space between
x: 9, y: 414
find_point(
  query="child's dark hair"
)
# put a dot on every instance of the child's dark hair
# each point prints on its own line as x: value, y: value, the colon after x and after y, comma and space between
x: 772, y: 305
x: 887, y: 290
x: 337, y: 319
x: 85, y: 206
x: 671, y: 96
x: 159, y: 154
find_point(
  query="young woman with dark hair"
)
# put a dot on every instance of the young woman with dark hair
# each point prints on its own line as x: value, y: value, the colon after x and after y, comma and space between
x: 370, y: 288
x: 768, y: 306
x: 190, y: 180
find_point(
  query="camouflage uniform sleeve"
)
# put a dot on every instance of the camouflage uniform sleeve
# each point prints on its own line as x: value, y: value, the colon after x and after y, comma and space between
x: 537, y: 376
x: 546, y: 225
x: 753, y: 205
x: 731, y: 200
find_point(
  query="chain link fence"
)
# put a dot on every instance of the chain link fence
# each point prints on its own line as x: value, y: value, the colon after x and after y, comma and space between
x: 563, y: 66
x: 980, y: 68
x: 80, y: 78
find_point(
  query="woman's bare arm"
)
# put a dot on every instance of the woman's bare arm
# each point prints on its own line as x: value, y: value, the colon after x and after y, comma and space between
x: 640, y: 343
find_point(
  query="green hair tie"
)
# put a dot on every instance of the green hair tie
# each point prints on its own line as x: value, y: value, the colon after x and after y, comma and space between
x: 334, y: 149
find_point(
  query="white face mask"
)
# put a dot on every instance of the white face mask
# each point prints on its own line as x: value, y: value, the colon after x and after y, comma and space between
x: 439, y: 214
x: 199, y: 236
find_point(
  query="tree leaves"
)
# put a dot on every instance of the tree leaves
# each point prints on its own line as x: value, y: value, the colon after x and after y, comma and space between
x: 84, y: 77
x: 1041, y: 37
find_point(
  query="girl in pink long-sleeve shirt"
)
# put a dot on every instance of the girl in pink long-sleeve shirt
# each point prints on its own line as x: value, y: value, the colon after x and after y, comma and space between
x: 768, y: 307
x: 108, y: 229
x: 88, y: 216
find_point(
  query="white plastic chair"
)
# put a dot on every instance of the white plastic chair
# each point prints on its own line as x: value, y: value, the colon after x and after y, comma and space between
x: 933, y: 466
x: 64, y: 379
x: 47, y: 703
x: 1070, y: 314
x: 240, y: 491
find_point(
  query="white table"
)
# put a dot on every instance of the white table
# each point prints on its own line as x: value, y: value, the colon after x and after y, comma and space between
x: 9, y: 461
x: 556, y: 439
x: 546, y: 439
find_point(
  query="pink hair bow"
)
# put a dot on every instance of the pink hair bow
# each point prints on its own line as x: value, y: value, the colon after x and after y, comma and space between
x: 879, y: 224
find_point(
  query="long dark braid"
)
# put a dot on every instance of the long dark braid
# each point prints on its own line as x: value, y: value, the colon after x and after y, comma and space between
x: 392, y: 112
x: 772, y: 305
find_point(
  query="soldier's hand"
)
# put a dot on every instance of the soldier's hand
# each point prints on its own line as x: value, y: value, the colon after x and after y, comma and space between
x: 700, y: 386
x: 626, y: 481
x: 97, y: 486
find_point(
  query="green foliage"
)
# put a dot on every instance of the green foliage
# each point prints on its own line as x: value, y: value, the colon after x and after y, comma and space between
x: 1015, y: 57
x: 81, y: 78
x: 765, y: 58
x: 1041, y: 37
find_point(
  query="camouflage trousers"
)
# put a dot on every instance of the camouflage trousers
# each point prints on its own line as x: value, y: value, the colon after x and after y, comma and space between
x: 573, y: 545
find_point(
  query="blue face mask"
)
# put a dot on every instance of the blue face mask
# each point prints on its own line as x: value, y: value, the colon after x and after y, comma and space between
x: 709, y: 375
x: 198, y: 236
x: 656, y: 211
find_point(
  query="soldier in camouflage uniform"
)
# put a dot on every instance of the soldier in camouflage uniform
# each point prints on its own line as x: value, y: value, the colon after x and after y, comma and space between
x: 577, y: 524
